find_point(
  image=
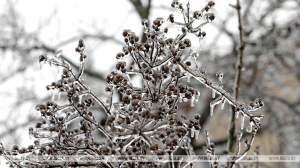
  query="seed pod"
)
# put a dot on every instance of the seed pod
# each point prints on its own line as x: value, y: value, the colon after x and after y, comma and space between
x: 211, y: 3
x: 197, y: 117
x: 171, y: 18
x: 120, y: 55
x: 157, y: 22
x: 166, y: 30
x: 145, y: 22
x: 38, y: 125
x: 206, y: 8
x: 30, y: 147
x: 184, y: 29
x: 125, y: 32
x: 81, y: 43
x: 188, y: 63
x: 15, y: 147
x: 43, y: 58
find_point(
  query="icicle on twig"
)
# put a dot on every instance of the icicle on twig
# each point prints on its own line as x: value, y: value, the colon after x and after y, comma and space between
x: 213, y: 103
x: 250, y: 127
x: 200, y: 43
x: 80, y: 98
x: 213, y: 93
x: 59, y: 93
x: 41, y: 65
x: 195, y: 56
x: 197, y: 134
x: 180, y: 98
x: 52, y: 94
x: 193, y: 101
x: 223, y: 103
x: 197, y: 96
x: 243, y: 121
x: 192, y: 132
x: 207, y: 138
x: 237, y: 114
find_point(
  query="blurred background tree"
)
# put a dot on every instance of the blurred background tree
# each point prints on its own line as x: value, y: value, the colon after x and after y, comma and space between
x: 271, y: 60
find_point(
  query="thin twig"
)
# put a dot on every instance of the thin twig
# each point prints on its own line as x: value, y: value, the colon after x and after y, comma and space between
x: 239, y: 65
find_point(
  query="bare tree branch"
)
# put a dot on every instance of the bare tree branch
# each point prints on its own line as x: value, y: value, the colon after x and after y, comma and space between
x: 239, y: 65
x: 87, y: 71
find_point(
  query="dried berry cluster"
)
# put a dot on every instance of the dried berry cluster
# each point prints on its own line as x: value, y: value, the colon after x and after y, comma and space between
x: 145, y: 122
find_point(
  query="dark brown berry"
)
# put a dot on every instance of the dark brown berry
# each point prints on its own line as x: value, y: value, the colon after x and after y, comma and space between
x: 211, y: 3
x: 125, y: 33
x: 188, y: 63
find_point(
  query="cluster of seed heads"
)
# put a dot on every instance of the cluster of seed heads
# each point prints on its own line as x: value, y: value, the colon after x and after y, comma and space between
x: 145, y: 121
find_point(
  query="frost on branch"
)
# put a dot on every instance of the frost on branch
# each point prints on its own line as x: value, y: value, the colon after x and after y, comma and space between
x: 145, y: 122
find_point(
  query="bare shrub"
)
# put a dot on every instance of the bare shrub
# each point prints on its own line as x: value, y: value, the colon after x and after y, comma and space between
x: 145, y: 122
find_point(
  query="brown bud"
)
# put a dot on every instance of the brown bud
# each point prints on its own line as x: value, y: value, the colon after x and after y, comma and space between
x: 30, y: 147
x: 171, y: 18
x: 15, y: 147
x: 166, y: 30
x: 157, y: 22
x: 180, y: 6
x: 197, y: 117
x: 38, y: 125
x: 43, y: 58
x: 211, y: 3
x: 125, y: 32
x: 206, y: 8
x: 188, y: 63
x: 212, y: 17
x: 144, y: 22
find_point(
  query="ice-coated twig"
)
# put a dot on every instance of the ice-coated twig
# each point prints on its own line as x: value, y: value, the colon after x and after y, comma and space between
x: 209, y: 149
x: 244, y: 153
x: 232, y: 101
